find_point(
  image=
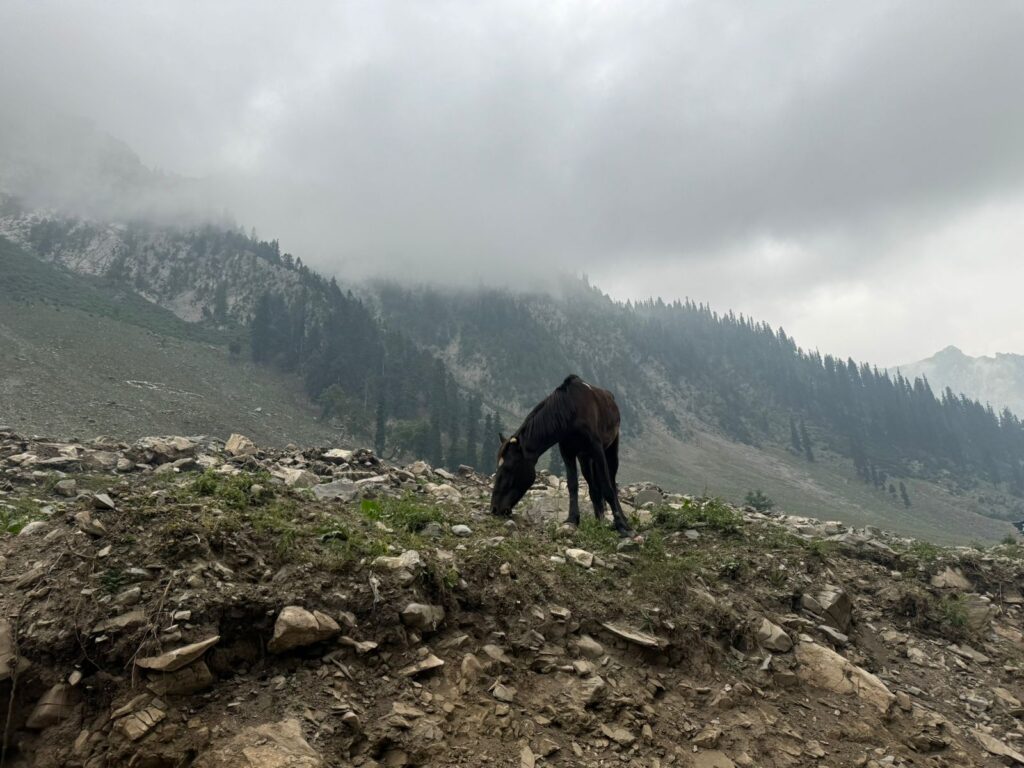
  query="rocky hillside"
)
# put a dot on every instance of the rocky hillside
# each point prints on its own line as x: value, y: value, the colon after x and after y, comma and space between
x: 179, y: 601
x: 997, y: 380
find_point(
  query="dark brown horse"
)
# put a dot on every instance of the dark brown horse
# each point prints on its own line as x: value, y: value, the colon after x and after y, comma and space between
x: 584, y: 422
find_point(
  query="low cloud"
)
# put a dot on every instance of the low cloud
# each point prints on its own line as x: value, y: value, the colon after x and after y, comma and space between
x: 827, y: 167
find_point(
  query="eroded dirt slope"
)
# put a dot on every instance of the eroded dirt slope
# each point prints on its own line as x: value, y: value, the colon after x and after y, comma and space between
x: 175, y: 602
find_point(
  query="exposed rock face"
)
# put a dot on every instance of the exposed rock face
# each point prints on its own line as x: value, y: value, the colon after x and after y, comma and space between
x: 52, y: 707
x: 772, y: 637
x: 296, y: 627
x: 832, y: 604
x: 271, y: 745
x: 825, y: 668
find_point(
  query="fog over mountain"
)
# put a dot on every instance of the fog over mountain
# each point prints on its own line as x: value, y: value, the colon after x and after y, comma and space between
x: 852, y: 172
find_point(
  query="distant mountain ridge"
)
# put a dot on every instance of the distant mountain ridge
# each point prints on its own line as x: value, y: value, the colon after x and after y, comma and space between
x: 997, y: 380
x: 711, y: 401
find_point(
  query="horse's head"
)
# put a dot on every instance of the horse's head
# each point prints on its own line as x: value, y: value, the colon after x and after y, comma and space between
x: 516, y: 473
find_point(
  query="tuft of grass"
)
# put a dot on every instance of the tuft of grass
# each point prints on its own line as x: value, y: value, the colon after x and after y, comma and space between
x: 924, y: 552
x: 596, y: 536
x: 820, y: 549
x: 709, y: 513
x: 14, y: 517
x: 235, y: 491
x: 406, y: 514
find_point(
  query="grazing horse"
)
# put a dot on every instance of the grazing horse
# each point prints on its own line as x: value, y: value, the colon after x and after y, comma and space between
x: 584, y: 421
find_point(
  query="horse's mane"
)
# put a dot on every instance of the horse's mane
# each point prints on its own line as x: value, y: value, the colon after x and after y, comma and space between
x: 551, y: 416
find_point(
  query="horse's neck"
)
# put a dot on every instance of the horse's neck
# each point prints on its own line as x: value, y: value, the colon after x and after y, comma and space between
x: 539, y: 439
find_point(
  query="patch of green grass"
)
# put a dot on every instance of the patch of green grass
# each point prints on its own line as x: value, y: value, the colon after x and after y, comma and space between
x: 113, y: 580
x: 15, y: 516
x: 659, y: 570
x: 595, y: 535
x: 924, y: 552
x: 820, y: 549
x: 708, y: 513
x: 775, y: 537
x: 406, y: 514
x: 235, y: 491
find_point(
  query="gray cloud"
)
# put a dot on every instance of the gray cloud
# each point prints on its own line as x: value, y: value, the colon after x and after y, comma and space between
x: 774, y: 157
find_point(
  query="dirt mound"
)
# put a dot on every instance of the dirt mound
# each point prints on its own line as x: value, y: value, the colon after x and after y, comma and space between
x: 174, y: 603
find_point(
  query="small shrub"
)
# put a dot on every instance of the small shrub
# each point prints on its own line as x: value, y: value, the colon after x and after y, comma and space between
x: 759, y: 501
x: 596, y: 535
x: 405, y: 514
x: 953, y: 614
x: 699, y: 513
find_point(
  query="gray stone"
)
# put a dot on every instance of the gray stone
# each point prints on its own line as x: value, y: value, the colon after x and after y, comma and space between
x: 462, y: 530
x: 337, y: 490
x: 180, y: 657
x: 33, y: 528
x: 68, y: 488
x: 102, y: 501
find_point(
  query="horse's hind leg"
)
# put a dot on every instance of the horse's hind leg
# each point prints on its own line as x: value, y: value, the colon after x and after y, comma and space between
x: 572, y: 479
x: 607, y: 467
x: 596, y: 497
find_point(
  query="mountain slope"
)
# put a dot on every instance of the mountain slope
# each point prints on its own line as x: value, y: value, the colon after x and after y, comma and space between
x: 79, y: 357
x: 429, y: 373
x: 997, y: 380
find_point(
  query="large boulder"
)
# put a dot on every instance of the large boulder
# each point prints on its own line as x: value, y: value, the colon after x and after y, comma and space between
x: 339, y: 490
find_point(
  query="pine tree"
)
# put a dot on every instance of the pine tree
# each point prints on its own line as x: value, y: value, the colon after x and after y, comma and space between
x: 381, y: 426
x: 806, y: 440
x: 472, y: 457
x: 556, y: 466
x: 904, y: 494
x: 453, y: 455
x: 433, y: 452
x: 794, y: 437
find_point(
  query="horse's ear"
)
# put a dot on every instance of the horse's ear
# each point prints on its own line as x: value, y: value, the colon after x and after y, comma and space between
x: 501, y: 438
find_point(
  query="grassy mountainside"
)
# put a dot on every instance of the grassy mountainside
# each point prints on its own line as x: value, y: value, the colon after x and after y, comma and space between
x: 80, y: 357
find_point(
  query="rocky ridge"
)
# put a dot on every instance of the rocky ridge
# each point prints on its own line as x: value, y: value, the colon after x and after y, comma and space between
x: 191, y: 601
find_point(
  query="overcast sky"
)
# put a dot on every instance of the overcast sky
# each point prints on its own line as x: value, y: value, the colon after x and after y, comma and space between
x: 851, y: 171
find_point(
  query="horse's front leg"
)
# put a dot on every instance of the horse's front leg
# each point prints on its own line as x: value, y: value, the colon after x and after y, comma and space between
x: 572, y: 479
x: 596, y: 497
